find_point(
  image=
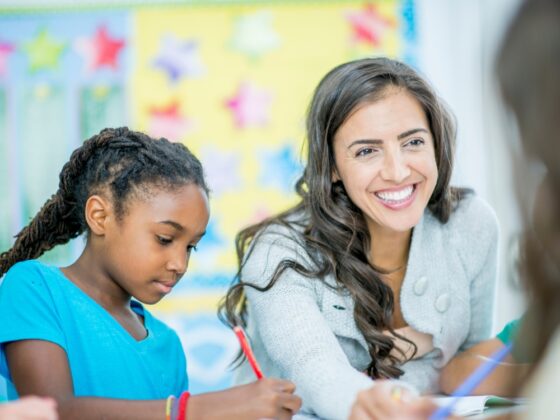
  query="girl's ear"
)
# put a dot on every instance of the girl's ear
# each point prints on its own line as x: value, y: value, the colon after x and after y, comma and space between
x: 97, y: 212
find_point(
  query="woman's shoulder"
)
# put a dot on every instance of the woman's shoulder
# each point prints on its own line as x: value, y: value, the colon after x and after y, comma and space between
x: 473, y: 218
x: 473, y: 230
x: 288, y: 230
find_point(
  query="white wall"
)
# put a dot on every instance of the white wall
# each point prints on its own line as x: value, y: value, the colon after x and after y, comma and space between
x: 457, y: 45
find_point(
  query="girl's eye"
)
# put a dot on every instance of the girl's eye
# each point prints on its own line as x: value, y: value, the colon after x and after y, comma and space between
x: 415, y: 142
x: 365, y: 151
x: 191, y: 248
x: 163, y: 240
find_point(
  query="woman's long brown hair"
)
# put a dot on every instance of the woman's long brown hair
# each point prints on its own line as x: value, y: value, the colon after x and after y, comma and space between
x: 331, y: 228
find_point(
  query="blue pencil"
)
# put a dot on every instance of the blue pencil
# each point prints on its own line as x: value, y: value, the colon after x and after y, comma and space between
x: 472, y: 382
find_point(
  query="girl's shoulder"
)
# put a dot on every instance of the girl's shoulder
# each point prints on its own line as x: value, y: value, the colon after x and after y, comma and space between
x: 29, y: 271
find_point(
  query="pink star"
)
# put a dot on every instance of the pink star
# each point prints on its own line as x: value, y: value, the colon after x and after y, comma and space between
x: 100, y: 50
x: 250, y: 106
x: 5, y: 50
x: 167, y: 122
x: 369, y: 25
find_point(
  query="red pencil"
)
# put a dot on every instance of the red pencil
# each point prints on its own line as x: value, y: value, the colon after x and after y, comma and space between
x: 247, y: 350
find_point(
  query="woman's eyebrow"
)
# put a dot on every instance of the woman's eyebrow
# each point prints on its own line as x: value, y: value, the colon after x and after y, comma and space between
x: 411, y: 132
x: 365, y: 141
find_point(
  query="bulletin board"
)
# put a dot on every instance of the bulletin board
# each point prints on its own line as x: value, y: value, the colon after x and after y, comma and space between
x: 231, y: 80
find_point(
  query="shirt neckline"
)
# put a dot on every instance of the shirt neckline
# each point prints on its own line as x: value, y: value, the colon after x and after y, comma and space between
x: 136, y: 307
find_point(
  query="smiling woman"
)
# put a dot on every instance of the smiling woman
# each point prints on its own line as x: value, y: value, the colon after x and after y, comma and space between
x: 383, y: 268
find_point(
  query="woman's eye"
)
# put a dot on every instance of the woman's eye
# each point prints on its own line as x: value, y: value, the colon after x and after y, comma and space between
x: 415, y: 142
x: 191, y: 248
x: 163, y: 240
x: 365, y: 151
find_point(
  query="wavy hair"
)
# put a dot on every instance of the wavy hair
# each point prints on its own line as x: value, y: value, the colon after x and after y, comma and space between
x: 333, y: 231
x: 117, y: 161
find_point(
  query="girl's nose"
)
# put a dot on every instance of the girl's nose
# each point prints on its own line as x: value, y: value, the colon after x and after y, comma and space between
x: 179, y: 262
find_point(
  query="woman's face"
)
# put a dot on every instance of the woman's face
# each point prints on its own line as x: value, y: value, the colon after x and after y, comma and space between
x: 384, y: 156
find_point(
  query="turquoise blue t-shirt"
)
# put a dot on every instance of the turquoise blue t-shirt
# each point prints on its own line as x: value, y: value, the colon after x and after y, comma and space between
x: 38, y: 302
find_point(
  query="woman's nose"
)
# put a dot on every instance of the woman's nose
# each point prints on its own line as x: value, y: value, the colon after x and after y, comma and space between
x: 395, y: 167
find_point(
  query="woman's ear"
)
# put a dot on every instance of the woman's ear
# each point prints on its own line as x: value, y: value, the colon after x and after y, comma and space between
x: 334, y: 176
x: 97, y: 213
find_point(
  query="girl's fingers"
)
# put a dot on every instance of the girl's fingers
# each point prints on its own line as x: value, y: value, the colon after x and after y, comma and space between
x: 290, y: 402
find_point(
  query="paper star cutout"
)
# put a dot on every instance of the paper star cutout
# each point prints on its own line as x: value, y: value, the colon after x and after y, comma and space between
x: 369, y: 25
x: 250, y: 106
x: 43, y: 52
x: 222, y: 170
x: 281, y: 161
x: 253, y: 34
x: 167, y: 122
x: 100, y: 50
x: 5, y: 50
x: 179, y: 58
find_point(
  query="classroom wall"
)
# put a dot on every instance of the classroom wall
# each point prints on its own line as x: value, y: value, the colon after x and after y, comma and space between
x: 231, y: 79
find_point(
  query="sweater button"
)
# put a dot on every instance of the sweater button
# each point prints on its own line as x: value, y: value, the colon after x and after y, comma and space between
x: 442, y: 303
x: 420, y: 286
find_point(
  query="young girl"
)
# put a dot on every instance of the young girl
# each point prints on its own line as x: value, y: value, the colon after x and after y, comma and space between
x: 74, y: 333
x: 383, y: 268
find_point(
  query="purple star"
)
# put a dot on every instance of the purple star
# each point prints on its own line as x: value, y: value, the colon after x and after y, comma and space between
x: 179, y: 58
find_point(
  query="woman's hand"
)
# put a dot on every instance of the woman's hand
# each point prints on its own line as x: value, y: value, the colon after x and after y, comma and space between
x: 264, y: 399
x: 390, y: 400
x: 29, y: 408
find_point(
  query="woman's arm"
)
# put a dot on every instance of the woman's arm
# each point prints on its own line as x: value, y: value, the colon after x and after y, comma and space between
x: 41, y: 368
x: 294, y: 332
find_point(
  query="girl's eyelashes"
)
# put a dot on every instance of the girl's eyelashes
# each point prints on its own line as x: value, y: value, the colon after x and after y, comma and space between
x: 167, y: 241
x: 164, y: 240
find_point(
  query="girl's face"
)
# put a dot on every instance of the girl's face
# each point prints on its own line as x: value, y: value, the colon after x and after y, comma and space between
x: 384, y: 156
x: 148, y: 251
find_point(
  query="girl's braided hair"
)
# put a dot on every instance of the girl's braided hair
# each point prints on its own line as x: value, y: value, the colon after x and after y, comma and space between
x: 117, y: 162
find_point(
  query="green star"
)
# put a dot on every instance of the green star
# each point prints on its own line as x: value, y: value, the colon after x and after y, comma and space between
x: 43, y: 52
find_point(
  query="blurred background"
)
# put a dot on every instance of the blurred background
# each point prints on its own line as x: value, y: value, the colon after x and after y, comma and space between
x: 232, y: 80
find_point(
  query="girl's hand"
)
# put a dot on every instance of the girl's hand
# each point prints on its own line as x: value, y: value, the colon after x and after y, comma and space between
x: 390, y: 400
x: 264, y: 399
x: 29, y: 408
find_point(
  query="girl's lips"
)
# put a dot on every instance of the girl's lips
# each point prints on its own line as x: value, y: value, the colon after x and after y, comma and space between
x: 165, y: 288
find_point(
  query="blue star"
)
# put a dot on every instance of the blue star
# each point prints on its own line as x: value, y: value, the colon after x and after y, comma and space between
x: 280, y: 168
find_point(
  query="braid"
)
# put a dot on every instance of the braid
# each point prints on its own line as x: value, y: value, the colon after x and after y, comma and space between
x: 116, y: 161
